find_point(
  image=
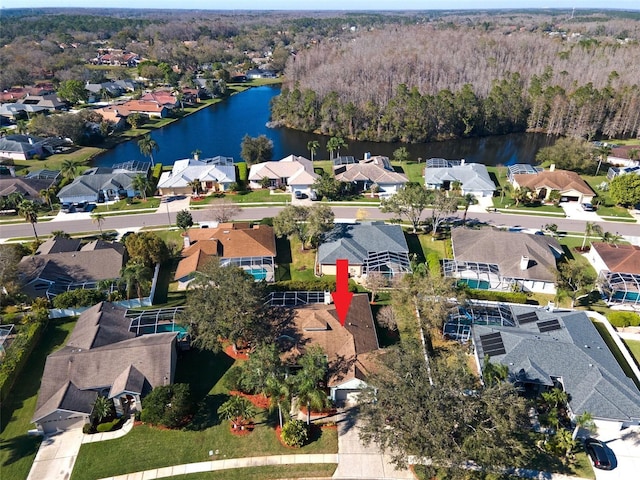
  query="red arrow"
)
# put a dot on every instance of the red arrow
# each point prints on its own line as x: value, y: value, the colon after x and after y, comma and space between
x: 342, y: 296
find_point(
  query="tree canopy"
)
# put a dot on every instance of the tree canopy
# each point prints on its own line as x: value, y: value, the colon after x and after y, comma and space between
x: 625, y: 189
x: 306, y: 224
x: 569, y: 154
x: 146, y: 248
x: 453, y: 422
x: 409, y: 202
x: 226, y: 303
x: 256, y: 149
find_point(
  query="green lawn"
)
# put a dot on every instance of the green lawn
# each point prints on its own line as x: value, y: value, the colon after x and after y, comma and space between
x: 82, y: 156
x: 145, y: 447
x: 615, y: 211
x: 292, y: 262
x: 18, y: 450
x: 266, y: 473
x: 253, y: 196
x: 136, y: 204
x: 634, y: 348
x: 616, y: 351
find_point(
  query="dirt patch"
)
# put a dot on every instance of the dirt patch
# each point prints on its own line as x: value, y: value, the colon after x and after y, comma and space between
x: 260, y: 401
x: 238, y: 354
x: 241, y: 432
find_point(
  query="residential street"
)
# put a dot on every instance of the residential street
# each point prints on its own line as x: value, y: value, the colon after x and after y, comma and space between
x: 81, y: 222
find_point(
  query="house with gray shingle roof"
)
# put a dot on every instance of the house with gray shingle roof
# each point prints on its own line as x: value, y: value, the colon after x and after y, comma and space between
x: 492, y: 259
x: 60, y: 265
x: 369, y: 247
x: 549, y: 349
x: 100, y: 184
x: 472, y: 177
x: 102, y: 357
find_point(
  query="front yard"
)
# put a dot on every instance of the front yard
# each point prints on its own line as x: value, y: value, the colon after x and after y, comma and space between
x: 148, y: 447
x: 18, y: 449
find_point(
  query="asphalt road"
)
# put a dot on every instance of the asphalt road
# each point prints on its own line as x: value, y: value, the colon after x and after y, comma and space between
x: 75, y: 225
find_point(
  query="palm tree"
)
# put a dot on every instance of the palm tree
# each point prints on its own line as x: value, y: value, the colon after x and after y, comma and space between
x: 603, y: 155
x: 313, y: 146
x: 141, y: 184
x: 609, y: 237
x: 279, y: 392
x: 590, y: 229
x: 556, y: 396
x: 14, y: 199
x: 467, y: 201
x: 308, y: 380
x: 48, y: 194
x: 493, y: 373
x: 521, y: 195
x: 22, y: 126
x: 102, y: 408
x: 135, y: 275
x: 69, y: 169
x: 99, y: 219
x: 195, y: 185
x: 147, y: 146
x: 238, y: 410
x: 28, y: 210
x: 60, y: 234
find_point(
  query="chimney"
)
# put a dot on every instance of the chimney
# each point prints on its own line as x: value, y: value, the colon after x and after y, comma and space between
x: 186, y: 242
x: 462, y: 161
x: 552, y: 167
x: 367, y: 155
x: 30, y: 140
x: 524, y: 262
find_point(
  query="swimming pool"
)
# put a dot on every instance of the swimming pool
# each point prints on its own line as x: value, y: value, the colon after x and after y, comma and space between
x: 258, y: 273
x: 163, y: 328
x: 477, y: 284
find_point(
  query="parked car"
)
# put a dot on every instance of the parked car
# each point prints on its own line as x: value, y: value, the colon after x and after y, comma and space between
x: 598, y: 454
x: 298, y: 194
x: 313, y: 196
x: 587, y: 207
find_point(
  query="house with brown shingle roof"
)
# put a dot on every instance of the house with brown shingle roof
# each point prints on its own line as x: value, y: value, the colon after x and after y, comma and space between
x: 492, y: 259
x: 252, y: 248
x: 102, y: 357
x: 115, y: 114
x: 350, y: 349
x: 618, y: 268
x: 374, y: 170
x: 570, y: 185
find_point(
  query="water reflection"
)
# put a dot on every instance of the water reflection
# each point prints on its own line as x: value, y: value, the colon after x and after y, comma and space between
x: 219, y: 129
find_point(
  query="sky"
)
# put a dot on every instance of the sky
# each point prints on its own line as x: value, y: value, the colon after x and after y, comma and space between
x: 329, y: 4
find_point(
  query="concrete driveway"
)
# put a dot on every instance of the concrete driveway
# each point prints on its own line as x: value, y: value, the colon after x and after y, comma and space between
x: 625, y: 445
x: 357, y: 461
x: 56, y: 456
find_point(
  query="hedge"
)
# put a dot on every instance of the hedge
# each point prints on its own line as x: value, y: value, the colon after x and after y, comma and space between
x: 108, y: 426
x: 511, y: 297
x: 81, y: 297
x: 315, y: 285
x: 623, y: 319
x: 17, y: 354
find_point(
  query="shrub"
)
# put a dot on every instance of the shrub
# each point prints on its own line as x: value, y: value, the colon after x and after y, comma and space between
x: 167, y: 405
x: 108, y: 426
x: 232, y: 378
x: 623, y: 319
x: 17, y: 354
x: 295, y: 433
x: 512, y: 297
x: 79, y: 298
x: 267, y: 221
x: 88, y: 428
x: 315, y: 285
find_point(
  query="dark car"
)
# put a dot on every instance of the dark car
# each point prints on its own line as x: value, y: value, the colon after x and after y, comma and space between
x: 598, y: 453
x: 587, y: 207
x: 298, y: 194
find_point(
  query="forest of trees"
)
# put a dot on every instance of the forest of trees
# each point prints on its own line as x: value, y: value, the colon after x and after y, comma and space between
x: 429, y: 82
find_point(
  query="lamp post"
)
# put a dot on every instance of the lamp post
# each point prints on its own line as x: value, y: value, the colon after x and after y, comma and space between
x: 166, y: 202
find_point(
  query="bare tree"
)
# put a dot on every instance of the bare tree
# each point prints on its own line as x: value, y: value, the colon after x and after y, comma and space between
x: 374, y: 282
x: 223, y: 210
x: 387, y: 318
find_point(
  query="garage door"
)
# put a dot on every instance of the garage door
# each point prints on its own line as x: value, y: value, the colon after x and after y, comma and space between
x: 64, y: 424
x: 346, y: 396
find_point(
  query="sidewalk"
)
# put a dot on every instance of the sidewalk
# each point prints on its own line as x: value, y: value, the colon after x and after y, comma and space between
x: 217, y: 465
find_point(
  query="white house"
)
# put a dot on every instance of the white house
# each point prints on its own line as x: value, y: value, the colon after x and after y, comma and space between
x: 473, y: 178
x: 214, y: 174
x: 293, y: 173
x: 376, y: 170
